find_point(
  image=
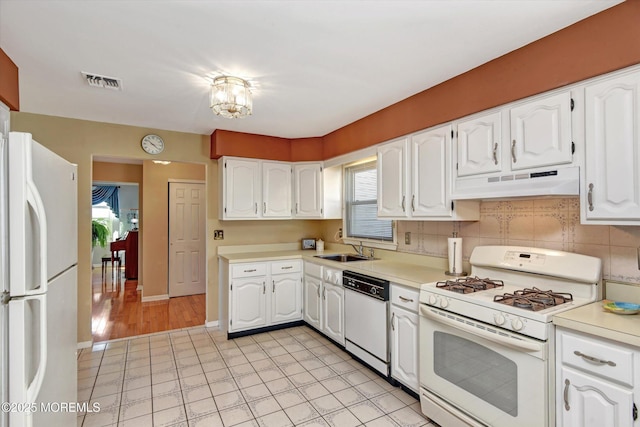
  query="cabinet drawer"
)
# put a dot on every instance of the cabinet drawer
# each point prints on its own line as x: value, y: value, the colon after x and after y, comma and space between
x: 291, y: 266
x: 603, y: 358
x: 405, y: 297
x: 248, y: 270
x: 314, y: 270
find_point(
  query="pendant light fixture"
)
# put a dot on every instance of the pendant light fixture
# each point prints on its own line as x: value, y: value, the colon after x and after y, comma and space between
x: 231, y: 97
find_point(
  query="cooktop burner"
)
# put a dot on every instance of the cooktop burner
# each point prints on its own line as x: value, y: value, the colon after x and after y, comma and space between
x: 533, y: 299
x: 467, y: 285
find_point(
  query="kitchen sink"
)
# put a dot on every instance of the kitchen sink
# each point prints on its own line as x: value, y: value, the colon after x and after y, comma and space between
x: 344, y: 257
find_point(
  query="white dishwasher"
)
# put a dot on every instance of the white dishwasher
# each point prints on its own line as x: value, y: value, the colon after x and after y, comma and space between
x: 366, y: 311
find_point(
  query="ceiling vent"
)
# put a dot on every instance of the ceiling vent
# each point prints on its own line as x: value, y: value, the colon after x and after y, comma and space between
x: 105, y: 82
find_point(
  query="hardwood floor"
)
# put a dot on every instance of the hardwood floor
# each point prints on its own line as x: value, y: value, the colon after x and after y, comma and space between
x: 118, y: 312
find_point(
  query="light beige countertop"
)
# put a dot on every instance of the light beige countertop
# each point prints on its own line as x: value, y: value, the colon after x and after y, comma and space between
x: 593, y: 319
x: 403, y: 273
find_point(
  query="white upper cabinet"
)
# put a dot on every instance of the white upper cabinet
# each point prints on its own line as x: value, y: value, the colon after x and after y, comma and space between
x: 308, y: 198
x: 541, y: 133
x: 392, y: 179
x: 611, y: 185
x: 276, y: 190
x: 480, y: 145
x: 242, y: 191
x: 414, y: 179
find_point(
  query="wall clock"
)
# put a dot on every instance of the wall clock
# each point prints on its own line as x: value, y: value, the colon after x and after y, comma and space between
x: 152, y: 144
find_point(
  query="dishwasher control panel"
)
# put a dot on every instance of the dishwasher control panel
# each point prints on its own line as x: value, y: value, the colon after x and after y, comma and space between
x: 371, y: 286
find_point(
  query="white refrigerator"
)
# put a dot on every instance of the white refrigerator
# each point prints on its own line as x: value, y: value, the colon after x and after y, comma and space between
x: 38, y: 280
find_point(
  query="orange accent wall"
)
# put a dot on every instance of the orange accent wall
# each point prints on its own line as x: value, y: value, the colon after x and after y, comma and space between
x: 9, y: 93
x: 601, y: 43
x: 229, y: 143
x: 306, y: 149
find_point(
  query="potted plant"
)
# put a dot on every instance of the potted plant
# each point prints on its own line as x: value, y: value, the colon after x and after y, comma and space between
x: 99, y: 232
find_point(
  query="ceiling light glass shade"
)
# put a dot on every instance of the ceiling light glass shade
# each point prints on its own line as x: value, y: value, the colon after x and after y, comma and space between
x: 231, y: 97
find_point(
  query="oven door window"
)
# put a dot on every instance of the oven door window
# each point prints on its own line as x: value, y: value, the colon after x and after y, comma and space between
x: 477, y: 369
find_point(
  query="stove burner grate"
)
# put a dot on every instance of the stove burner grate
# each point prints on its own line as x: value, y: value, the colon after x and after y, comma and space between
x: 533, y: 299
x: 467, y: 285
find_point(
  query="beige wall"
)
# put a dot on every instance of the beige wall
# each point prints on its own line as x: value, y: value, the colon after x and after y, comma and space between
x: 552, y: 223
x: 79, y: 140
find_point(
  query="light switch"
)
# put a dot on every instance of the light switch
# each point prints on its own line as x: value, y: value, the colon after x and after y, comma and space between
x: 407, y: 238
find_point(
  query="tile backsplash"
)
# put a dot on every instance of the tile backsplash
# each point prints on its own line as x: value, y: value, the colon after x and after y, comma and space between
x: 552, y: 223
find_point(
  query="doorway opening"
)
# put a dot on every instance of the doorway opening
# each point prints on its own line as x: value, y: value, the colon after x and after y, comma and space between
x: 123, y: 304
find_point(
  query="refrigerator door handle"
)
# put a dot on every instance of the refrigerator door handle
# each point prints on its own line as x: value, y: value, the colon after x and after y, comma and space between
x: 34, y: 199
x: 20, y: 389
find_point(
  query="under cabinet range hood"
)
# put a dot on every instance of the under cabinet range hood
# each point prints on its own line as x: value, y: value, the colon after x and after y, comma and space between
x: 557, y: 181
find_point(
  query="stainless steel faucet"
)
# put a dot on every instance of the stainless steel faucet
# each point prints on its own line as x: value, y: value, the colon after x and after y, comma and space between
x: 358, y: 249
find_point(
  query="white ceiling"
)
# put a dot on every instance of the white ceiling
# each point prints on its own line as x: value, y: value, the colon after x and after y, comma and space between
x: 316, y: 65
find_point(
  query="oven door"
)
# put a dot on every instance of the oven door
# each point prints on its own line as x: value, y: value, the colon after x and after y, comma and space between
x: 496, y: 377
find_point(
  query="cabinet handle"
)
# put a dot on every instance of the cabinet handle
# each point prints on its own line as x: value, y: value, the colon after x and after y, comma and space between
x: 250, y: 271
x: 318, y: 288
x: 264, y: 288
x: 296, y: 208
x: 393, y: 316
x: 566, y: 395
x: 256, y: 208
x: 590, y: 197
x: 324, y: 293
x: 403, y: 204
x: 403, y: 299
x: 264, y: 208
x: 288, y: 267
x: 273, y: 289
x: 413, y: 203
x: 495, y: 153
x: 513, y: 151
x: 594, y: 359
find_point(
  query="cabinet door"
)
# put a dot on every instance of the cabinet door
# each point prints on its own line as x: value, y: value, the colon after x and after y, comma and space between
x: 541, y: 133
x: 333, y: 312
x: 248, y: 303
x: 242, y: 188
x: 312, y: 301
x: 612, y: 188
x: 404, y: 347
x: 286, y: 297
x: 479, y: 145
x: 430, y: 156
x: 392, y: 179
x: 276, y: 190
x: 308, y: 190
x: 587, y: 401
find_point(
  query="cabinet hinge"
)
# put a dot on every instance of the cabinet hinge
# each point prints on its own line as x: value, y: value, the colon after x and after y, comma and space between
x: 231, y: 322
x: 225, y: 165
x: 452, y: 205
x: 573, y: 104
x: 573, y: 147
x: 231, y: 287
x: 635, y: 412
x: 321, y: 210
x: 225, y: 210
x: 452, y: 133
x: 456, y: 166
x: 321, y: 168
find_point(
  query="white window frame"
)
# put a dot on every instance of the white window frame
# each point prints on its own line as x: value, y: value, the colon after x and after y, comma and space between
x: 357, y: 241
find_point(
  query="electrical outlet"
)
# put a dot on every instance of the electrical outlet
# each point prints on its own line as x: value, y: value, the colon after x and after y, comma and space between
x: 340, y: 233
x: 218, y: 235
x: 407, y: 238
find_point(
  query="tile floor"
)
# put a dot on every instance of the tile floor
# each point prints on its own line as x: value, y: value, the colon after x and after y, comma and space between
x: 196, y: 377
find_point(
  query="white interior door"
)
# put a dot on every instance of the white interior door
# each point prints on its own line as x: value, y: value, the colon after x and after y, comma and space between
x: 187, y: 238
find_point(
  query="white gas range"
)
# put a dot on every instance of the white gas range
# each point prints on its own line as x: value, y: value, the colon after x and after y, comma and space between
x: 486, y: 341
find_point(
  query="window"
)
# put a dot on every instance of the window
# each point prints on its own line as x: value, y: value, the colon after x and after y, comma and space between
x: 361, y: 194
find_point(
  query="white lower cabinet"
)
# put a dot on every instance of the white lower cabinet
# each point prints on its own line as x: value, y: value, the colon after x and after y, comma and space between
x: 404, y: 336
x: 597, y: 382
x: 324, y: 300
x: 264, y: 294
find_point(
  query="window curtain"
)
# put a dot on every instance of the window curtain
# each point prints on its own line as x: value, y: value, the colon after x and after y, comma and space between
x: 108, y: 194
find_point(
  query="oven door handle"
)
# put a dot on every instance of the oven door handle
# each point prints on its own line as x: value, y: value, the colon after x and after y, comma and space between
x: 515, y: 344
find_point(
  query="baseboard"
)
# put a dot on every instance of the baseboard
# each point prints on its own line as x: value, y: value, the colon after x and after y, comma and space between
x: 213, y: 324
x: 85, y: 344
x: 155, y: 298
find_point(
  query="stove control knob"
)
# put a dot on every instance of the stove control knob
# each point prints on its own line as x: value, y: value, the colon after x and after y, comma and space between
x: 499, y: 319
x: 444, y: 303
x: 433, y: 300
x: 516, y: 324
x: 374, y: 291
